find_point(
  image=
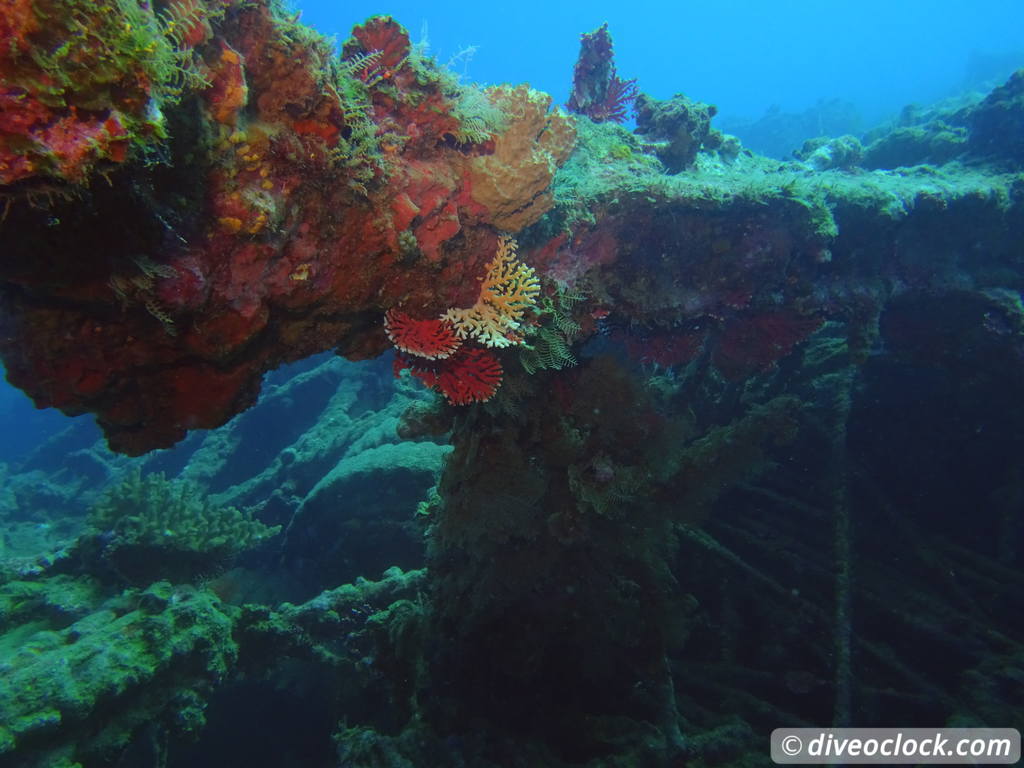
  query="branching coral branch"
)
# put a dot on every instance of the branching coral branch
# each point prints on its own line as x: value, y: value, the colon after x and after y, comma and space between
x: 509, y: 289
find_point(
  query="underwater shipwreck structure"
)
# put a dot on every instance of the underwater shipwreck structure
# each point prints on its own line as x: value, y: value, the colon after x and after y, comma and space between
x: 718, y: 424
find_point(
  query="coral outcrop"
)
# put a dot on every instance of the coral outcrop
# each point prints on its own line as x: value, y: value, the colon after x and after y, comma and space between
x: 823, y: 153
x: 997, y: 123
x: 597, y: 90
x: 681, y: 127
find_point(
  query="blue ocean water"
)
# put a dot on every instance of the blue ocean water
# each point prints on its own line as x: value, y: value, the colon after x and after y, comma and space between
x: 744, y: 56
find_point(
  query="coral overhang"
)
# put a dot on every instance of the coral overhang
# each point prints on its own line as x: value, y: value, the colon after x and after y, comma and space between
x: 287, y: 197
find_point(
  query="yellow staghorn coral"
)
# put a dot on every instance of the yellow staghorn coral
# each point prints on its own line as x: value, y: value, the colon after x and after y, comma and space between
x: 508, y: 290
x: 514, y: 181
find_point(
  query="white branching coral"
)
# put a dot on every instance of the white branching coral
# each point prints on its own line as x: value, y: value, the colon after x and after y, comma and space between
x: 508, y: 290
